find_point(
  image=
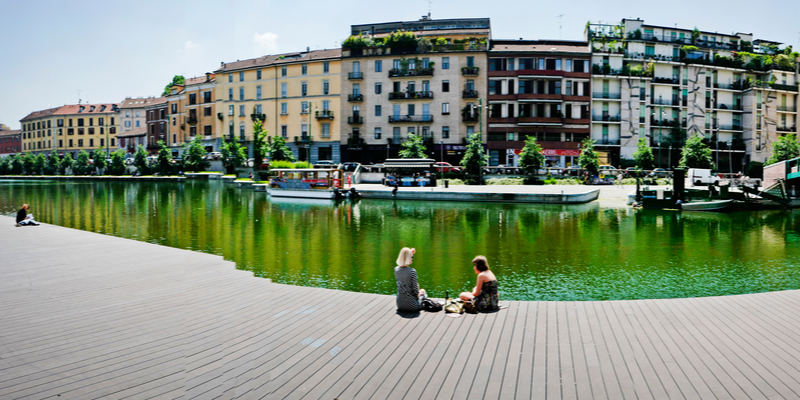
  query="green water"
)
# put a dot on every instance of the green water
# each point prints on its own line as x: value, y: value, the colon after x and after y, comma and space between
x: 538, y: 252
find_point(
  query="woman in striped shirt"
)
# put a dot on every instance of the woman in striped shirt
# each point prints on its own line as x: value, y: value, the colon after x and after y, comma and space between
x: 409, y: 295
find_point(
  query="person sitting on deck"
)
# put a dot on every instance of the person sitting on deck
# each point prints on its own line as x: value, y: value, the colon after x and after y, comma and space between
x: 485, y: 291
x: 409, y: 295
x: 23, y: 218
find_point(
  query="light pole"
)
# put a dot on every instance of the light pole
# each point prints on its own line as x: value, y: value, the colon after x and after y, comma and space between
x: 730, y: 157
x: 441, y: 152
x: 669, y: 163
x: 660, y: 127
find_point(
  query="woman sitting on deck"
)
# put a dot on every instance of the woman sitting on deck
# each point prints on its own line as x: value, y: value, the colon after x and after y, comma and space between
x: 409, y: 295
x: 485, y: 291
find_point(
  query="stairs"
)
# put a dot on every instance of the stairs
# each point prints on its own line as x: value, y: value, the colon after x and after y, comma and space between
x: 776, y: 192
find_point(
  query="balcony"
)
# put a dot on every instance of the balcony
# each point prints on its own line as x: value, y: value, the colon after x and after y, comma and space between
x: 355, y: 97
x: 410, y: 118
x: 410, y: 95
x: 663, y: 122
x: 785, y: 128
x: 667, y: 81
x: 399, y: 72
x: 355, y: 120
x: 355, y: 140
x: 787, y: 109
x: 729, y: 86
x: 258, y: 116
x: 734, y: 107
x: 355, y: 75
x: 191, y: 120
x: 469, y: 94
x: 324, y: 114
x: 607, y: 142
x: 676, y: 102
x: 604, y: 95
x: 606, y: 118
x: 470, y: 71
x: 466, y: 117
x: 304, y: 139
x: 790, y: 88
x: 734, y: 127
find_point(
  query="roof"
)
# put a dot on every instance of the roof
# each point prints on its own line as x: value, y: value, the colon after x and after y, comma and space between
x: 277, y: 59
x: 424, y: 24
x: 10, y: 132
x: 197, y: 80
x: 161, y: 101
x: 442, y: 32
x: 141, y: 131
x: 138, y: 102
x: 75, y: 109
x: 540, y: 46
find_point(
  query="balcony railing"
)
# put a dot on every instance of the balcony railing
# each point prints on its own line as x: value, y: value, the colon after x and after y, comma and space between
x: 304, y: 139
x: 355, y: 140
x: 397, y: 72
x: 469, y: 94
x: 355, y: 97
x: 787, y: 108
x: 730, y: 86
x: 324, y: 114
x: 607, y: 142
x: 778, y: 86
x: 722, y: 106
x: 606, y: 118
x: 410, y: 118
x: 466, y: 71
x: 785, y: 128
x: 663, y: 102
x: 355, y: 75
x: 663, y: 122
x: 604, y: 95
x: 466, y: 117
x: 669, y: 81
x: 410, y: 95
x: 191, y: 120
x: 730, y: 127
x: 355, y: 120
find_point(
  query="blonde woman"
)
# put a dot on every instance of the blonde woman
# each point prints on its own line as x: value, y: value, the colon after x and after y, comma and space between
x: 409, y: 295
x: 485, y: 291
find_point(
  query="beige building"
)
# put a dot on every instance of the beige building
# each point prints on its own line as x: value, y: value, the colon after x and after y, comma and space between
x: 71, y: 128
x: 131, y: 113
x: 297, y: 95
x: 433, y: 88
x: 192, y: 112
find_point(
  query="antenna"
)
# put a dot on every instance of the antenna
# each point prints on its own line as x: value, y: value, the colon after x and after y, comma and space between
x: 559, y: 26
x: 430, y: 2
x: 79, y: 96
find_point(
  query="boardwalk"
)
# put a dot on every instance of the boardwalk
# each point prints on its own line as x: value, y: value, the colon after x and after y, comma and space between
x: 86, y: 316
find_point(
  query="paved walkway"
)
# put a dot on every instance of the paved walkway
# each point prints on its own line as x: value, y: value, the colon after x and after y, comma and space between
x: 87, y: 316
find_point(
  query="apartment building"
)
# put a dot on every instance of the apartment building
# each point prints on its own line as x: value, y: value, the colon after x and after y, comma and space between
x: 131, y: 113
x: 666, y: 84
x: 10, y: 140
x: 296, y: 95
x: 540, y: 89
x: 71, y: 128
x: 157, y: 120
x: 432, y: 84
x: 192, y: 112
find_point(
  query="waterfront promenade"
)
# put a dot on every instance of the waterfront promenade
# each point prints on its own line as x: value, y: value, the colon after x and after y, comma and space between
x: 87, y: 316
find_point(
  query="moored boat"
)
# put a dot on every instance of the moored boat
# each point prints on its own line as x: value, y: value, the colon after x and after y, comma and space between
x: 305, y: 183
x: 714, y: 205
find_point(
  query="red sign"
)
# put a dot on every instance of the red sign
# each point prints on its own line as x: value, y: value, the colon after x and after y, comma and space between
x: 556, y: 152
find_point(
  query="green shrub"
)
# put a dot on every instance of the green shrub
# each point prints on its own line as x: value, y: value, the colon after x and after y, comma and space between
x: 281, y: 164
x: 505, y: 181
x: 455, y: 182
x: 302, y: 164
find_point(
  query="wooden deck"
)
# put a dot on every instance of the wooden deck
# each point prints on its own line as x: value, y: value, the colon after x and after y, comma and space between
x: 86, y: 316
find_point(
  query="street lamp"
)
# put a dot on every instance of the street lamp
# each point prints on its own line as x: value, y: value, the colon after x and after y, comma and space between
x: 441, y: 152
x: 669, y: 163
x: 730, y: 157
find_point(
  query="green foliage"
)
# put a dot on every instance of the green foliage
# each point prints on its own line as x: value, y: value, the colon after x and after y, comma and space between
x: 194, y: 155
x: 5, y: 165
x: 357, y: 42
x: 413, y: 147
x: 474, y: 156
x: 531, y: 157
x: 589, y: 159
x: 505, y: 181
x: 140, y: 161
x: 689, y: 48
x: 744, y: 45
x: 278, y: 151
x: 281, y: 164
x: 302, y: 165
x: 785, y: 148
x: 260, y: 145
x: 27, y: 163
x: 176, y: 80
x: 164, y: 159
x: 695, y: 35
x: 440, y: 41
x: 100, y: 158
x: 117, y: 166
x: 82, y: 165
x: 67, y: 162
x: 53, y: 164
x: 402, y: 40
x: 234, y: 154
x: 755, y: 169
x: 784, y: 61
x: 643, y: 155
x: 38, y: 164
x: 695, y: 153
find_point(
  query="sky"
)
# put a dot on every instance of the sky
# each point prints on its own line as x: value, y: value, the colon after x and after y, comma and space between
x: 57, y: 52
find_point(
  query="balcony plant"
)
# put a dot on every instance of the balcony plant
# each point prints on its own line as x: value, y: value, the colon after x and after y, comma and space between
x: 402, y: 41
x: 695, y: 35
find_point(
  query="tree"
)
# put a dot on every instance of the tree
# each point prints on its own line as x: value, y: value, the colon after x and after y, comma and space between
x: 117, y: 166
x: 531, y: 157
x: 260, y: 148
x: 82, y: 165
x: 194, y: 155
x: 38, y: 163
x: 278, y: 151
x: 176, y: 80
x: 67, y: 162
x: 589, y: 159
x: 52, y: 165
x: 695, y: 153
x: 5, y: 165
x: 643, y: 155
x: 233, y: 154
x: 785, y: 148
x: 164, y: 159
x: 27, y: 163
x: 413, y: 147
x: 474, y: 156
x: 100, y: 159
x: 140, y: 161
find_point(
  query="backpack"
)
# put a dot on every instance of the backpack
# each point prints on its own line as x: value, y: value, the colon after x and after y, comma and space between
x: 431, y: 305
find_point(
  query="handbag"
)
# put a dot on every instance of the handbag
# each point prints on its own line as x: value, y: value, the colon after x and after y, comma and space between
x: 431, y: 305
x: 470, y: 308
x: 453, y: 306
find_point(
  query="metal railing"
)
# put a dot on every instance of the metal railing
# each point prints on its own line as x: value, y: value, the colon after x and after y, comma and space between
x: 355, y: 120
x: 355, y: 97
x: 605, y: 95
x: 411, y: 118
x: 606, y: 118
x: 469, y: 94
x: 396, y: 72
x: 355, y: 75
x: 410, y: 95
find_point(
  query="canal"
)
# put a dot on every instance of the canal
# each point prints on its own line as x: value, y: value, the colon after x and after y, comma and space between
x: 538, y: 252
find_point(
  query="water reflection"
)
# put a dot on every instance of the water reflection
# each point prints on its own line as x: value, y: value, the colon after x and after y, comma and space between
x: 539, y: 252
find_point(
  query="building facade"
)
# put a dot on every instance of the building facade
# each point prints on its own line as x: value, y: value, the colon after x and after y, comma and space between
x: 10, y: 141
x: 435, y: 87
x: 71, y: 128
x: 666, y: 84
x: 296, y: 95
x: 192, y: 112
x: 131, y: 113
x: 540, y: 89
x: 157, y: 120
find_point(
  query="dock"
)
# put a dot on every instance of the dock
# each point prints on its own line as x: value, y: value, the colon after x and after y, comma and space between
x: 86, y: 316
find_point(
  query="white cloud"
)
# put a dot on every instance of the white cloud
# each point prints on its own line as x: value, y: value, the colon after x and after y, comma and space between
x: 266, y: 42
x: 189, y: 46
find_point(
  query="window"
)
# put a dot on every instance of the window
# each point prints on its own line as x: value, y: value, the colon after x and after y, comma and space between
x: 378, y: 110
x: 378, y: 88
x: 304, y: 130
x: 80, y: 142
x: 494, y: 87
x: 284, y: 108
x: 283, y: 71
x: 304, y: 89
x: 445, y: 108
x: 258, y: 92
x: 356, y: 89
x: 230, y: 112
x: 241, y: 111
x: 258, y: 109
x: 258, y: 74
x: 396, y: 134
x: 128, y: 113
x: 283, y: 89
x: 241, y: 130
x: 304, y: 107
x: 284, y: 131
x: 326, y: 130
x: 445, y: 86
x: 411, y: 109
x: 192, y: 101
x: 207, y: 130
x: 568, y: 90
x: 241, y: 76
x: 80, y: 121
x: 70, y: 143
x: 445, y: 62
x: 192, y: 130
x: 304, y: 69
x: 326, y: 67
x: 470, y: 61
x: 206, y: 112
x: 241, y: 93
x: 230, y: 98
x: 91, y: 142
x: 230, y: 77
x: 470, y: 130
x: 377, y: 133
x: 650, y: 50
x: 445, y: 132
x: 426, y: 86
x: 127, y: 124
x: 378, y: 66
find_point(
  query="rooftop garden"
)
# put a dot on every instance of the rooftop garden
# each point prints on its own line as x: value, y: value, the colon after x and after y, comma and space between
x: 404, y: 42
